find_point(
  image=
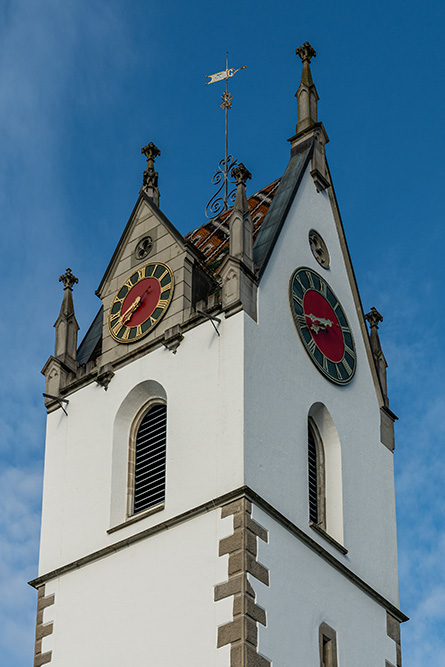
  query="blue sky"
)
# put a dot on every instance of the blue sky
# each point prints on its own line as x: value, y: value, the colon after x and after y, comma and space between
x: 85, y: 84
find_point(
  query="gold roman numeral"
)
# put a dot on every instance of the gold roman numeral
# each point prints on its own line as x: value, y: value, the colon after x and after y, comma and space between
x: 126, y: 333
x: 311, y: 346
x: 346, y: 366
x: 323, y: 289
x: 116, y: 329
x: 297, y: 299
x: 311, y: 280
x: 163, y: 303
x: 349, y: 351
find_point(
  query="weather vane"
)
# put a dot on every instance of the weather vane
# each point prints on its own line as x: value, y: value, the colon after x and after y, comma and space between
x: 219, y: 204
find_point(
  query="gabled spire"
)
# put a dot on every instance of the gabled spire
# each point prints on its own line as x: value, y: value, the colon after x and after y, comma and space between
x: 374, y: 318
x: 309, y: 130
x: 307, y: 96
x: 239, y: 283
x: 150, y: 177
x: 66, y: 324
x: 61, y: 368
x: 240, y: 223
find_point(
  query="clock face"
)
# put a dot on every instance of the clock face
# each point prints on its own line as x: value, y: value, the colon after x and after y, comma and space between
x: 141, y: 302
x: 322, y: 325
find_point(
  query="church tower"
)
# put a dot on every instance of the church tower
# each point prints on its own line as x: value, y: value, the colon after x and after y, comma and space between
x: 219, y: 485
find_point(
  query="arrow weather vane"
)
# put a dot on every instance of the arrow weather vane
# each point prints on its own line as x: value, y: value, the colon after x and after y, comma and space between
x: 217, y: 204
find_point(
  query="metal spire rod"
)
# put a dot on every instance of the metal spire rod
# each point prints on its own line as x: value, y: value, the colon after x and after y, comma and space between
x: 218, y: 205
x: 226, y: 105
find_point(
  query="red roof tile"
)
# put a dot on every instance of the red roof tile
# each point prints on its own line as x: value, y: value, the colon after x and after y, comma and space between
x: 212, y: 238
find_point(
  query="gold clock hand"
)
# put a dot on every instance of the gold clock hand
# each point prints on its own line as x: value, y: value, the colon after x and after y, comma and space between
x: 128, y: 313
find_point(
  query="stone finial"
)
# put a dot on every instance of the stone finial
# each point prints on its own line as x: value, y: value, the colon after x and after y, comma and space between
x: 306, y: 52
x: 239, y: 284
x: 150, y: 176
x: 374, y: 318
x: 66, y: 324
x: 68, y: 279
x: 61, y: 368
x: 241, y: 174
x: 307, y: 96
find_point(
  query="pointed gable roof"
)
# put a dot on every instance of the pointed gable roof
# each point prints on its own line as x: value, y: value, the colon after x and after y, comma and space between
x: 212, y: 238
x: 273, y: 223
x: 268, y: 207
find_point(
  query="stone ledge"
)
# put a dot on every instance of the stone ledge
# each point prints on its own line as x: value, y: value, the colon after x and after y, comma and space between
x: 211, y: 506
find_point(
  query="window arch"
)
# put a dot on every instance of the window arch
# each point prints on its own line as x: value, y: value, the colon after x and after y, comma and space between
x: 134, y: 407
x: 316, y: 476
x: 146, y: 483
x: 325, y: 473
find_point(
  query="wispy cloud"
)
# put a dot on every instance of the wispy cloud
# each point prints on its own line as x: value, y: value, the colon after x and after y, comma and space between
x: 19, y: 533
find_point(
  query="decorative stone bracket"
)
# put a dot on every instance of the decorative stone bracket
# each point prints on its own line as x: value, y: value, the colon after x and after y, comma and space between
x: 105, y: 375
x: 242, y: 547
x: 173, y: 338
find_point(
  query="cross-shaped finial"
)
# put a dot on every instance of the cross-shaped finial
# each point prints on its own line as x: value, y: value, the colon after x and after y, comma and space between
x: 151, y: 152
x: 241, y: 174
x: 374, y: 318
x: 306, y: 52
x: 68, y: 279
x: 150, y: 176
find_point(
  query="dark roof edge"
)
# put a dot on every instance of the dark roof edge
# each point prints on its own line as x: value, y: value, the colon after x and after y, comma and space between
x: 284, y: 199
x: 90, y: 334
x: 356, y: 293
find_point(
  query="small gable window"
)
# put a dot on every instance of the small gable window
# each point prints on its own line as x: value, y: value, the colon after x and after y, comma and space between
x: 328, y: 646
x: 148, y: 460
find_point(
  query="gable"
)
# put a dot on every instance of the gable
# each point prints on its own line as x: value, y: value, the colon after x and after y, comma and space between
x: 162, y: 244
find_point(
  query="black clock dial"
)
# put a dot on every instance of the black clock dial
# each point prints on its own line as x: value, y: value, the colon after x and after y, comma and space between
x: 322, y: 325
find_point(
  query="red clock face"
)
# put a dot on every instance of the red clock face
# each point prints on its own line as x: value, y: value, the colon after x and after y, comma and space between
x: 141, y: 302
x: 148, y: 292
x: 322, y: 325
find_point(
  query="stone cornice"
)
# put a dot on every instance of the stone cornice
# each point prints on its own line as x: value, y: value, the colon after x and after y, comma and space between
x: 242, y: 492
x: 92, y: 376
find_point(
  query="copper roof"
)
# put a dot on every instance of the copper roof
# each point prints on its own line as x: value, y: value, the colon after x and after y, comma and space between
x: 212, y: 238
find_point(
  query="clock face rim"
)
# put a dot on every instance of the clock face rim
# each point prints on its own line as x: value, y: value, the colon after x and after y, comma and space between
x: 321, y: 367
x: 142, y: 276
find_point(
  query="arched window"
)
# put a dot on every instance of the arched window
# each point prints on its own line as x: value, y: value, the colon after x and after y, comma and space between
x: 325, y: 474
x: 147, y: 460
x: 316, y: 476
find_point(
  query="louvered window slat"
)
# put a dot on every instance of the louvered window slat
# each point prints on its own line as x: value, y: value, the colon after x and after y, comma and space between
x: 149, y: 486
x: 313, y: 482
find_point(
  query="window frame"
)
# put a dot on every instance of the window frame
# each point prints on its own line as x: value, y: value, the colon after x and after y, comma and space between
x: 320, y: 465
x: 327, y: 636
x: 131, y: 480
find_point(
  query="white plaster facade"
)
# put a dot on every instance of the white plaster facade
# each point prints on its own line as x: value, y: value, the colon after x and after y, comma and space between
x: 237, y: 412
